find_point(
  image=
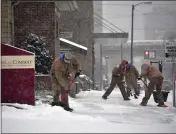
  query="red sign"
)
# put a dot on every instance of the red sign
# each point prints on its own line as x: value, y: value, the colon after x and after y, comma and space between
x: 146, y: 52
x: 18, y: 75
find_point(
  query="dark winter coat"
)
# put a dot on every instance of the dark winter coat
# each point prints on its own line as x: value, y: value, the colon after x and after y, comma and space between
x: 61, y: 71
x: 118, y: 72
x: 131, y: 71
x: 150, y: 71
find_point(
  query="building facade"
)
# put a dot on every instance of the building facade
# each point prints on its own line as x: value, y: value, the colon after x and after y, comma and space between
x: 79, y: 26
x: 160, y: 23
x: 21, y: 18
x: 6, y: 22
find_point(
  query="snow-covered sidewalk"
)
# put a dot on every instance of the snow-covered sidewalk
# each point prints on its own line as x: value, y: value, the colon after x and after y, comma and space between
x: 92, y: 114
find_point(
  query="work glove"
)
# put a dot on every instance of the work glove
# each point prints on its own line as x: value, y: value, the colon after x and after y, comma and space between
x: 139, y: 78
x: 77, y: 73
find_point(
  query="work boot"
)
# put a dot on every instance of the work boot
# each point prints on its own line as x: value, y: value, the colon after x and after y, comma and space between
x: 104, y: 97
x: 54, y: 103
x: 135, y: 96
x: 67, y: 108
x: 127, y: 99
x: 164, y: 105
x: 138, y: 94
x: 60, y: 103
x: 131, y: 93
x: 142, y: 104
x: 128, y: 92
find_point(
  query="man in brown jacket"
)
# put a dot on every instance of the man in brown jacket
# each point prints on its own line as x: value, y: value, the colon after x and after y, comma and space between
x: 63, y: 71
x: 117, y: 79
x: 155, y: 78
x: 131, y: 77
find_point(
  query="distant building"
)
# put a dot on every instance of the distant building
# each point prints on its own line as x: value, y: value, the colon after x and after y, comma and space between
x: 78, y: 27
x: 79, y: 51
x: 6, y: 22
x: 160, y: 22
x: 20, y: 18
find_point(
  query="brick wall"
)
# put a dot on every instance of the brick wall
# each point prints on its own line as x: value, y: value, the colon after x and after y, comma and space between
x: 81, y: 26
x: 57, y: 25
x: 37, y: 18
x: 6, y: 22
x: 81, y: 59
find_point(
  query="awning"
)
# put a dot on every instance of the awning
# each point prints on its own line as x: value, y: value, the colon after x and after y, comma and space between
x: 73, y: 44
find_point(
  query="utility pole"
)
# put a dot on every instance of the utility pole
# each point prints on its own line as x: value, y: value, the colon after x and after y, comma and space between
x: 107, y: 58
x: 174, y: 90
x: 93, y: 65
x: 132, y: 19
x: 121, y: 52
x: 101, y: 69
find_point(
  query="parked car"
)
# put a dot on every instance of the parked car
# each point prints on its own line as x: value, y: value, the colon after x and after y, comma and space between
x: 83, y: 83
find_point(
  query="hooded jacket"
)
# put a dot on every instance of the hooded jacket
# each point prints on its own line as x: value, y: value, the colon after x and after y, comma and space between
x: 131, y: 70
x: 62, y: 70
x: 119, y: 71
x: 150, y: 71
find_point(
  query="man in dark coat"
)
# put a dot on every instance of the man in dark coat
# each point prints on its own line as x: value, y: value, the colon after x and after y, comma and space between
x: 117, y: 79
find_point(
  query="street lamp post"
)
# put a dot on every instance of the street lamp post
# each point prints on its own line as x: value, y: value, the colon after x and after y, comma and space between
x: 101, y: 68
x: 107, y: 58
x: 121, y: 47
x: 132, y: 20
x: 132, y: 34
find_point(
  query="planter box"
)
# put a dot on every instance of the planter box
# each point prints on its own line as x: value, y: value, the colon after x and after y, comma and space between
x: 18, y: 75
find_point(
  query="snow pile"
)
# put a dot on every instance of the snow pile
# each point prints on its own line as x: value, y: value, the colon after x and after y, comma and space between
x: 46, y: 119
x: 91, y: 114
x: 46, y: 112
x: 43, y: 118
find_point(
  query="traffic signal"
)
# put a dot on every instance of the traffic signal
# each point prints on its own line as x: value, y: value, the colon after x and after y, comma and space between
x: 160, y: 66
x: 149, y: 54
x: 146, y: 54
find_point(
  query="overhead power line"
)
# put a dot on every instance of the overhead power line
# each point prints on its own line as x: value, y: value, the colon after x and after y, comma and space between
x: 97, y: 21
x: 106, y: 25
x: 131, y: 4
x: 110, y: 23
x: 150, y: 17
x: 100, y: 23
x: 106, y: 20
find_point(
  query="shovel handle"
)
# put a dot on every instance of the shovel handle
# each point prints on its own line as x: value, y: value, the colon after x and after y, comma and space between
x: 66, y: 92
x: 144, y: 83
x: 69, y: 87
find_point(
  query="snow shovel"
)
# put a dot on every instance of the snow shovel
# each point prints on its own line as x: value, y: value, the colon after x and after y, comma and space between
x: 61, y: 103
x: 69, y: 87
x: 144, y: 83
x: 165, y: 94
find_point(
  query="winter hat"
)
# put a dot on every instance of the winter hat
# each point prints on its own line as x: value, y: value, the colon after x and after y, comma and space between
x: 75, y: 64
x: 129, y: 65
x: 68, y: 57
x: 145, y: 66
x: 124, y: 62
x: 62, y: 56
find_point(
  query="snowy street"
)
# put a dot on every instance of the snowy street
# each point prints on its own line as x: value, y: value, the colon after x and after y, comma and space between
x: 92, y: 114
x: 57, y: 56
x: 115, y: 109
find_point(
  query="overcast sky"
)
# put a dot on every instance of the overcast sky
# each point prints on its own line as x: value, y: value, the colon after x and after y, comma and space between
x: 119, y: 13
